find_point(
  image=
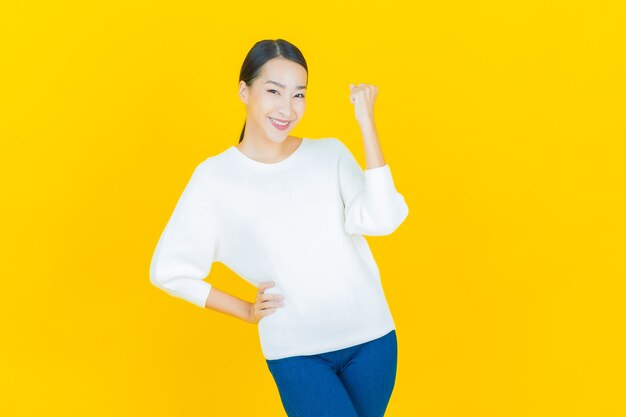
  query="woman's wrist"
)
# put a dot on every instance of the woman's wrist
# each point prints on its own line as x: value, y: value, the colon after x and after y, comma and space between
x: 250, y: 316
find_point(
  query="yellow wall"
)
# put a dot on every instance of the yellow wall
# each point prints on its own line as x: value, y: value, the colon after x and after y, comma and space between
x: 503, y: 123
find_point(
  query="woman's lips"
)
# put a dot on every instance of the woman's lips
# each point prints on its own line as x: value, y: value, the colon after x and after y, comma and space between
x: 277, y: 126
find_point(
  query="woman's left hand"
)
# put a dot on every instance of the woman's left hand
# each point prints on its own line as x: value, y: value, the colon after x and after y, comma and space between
x: 363, y: 97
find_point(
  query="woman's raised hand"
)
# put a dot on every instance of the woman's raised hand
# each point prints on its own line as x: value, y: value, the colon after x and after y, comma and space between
x: 363, y: 96
x: 265, y: 304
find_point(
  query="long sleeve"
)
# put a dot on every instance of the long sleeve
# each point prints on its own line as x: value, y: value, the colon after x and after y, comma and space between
x: 372, y: 204
x: 186, y: 248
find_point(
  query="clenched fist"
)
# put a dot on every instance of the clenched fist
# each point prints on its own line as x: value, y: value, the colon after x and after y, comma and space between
x: 363, y: 96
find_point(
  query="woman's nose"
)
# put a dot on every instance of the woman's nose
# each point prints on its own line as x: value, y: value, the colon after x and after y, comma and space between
x: 285, y: 110
x: 286, y: 114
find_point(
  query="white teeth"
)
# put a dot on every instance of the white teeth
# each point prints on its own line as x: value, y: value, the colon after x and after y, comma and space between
x: 279, y: 123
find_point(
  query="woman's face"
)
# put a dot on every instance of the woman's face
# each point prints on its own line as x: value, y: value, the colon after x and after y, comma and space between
x: 278, y: 93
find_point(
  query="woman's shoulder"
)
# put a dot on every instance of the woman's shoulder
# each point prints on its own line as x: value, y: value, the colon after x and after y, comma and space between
x: 207, y: 169
x: 214, y: 161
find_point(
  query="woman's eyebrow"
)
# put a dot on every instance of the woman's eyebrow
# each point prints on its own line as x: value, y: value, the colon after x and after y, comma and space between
x: 300, y: 87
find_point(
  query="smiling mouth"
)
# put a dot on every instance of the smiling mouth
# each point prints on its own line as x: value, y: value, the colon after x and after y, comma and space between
x: 278, y: 123
x: 285, y: 122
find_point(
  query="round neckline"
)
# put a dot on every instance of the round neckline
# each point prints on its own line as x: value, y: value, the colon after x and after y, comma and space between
x: 270, y: 166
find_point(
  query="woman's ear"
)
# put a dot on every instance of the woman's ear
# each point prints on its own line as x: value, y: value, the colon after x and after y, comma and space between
x: 243, y: 91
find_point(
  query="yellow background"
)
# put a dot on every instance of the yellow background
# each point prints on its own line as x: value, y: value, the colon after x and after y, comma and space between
x: 502, y: 122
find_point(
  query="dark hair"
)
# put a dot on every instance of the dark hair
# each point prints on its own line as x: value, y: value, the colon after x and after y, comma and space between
x: 263, y: 51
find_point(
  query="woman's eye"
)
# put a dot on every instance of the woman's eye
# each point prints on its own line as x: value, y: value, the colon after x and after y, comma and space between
x: 272, y: 90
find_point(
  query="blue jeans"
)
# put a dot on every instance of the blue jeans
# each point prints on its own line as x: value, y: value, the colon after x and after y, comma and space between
x: 352, y: 382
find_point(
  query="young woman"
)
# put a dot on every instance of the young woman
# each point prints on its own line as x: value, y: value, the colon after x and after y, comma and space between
x: 288, y: 215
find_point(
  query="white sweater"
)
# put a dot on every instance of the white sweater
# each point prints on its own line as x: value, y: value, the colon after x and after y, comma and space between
x: 298, y: 222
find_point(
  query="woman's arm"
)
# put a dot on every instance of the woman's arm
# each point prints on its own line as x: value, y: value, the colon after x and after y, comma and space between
x: 186, y: 248
x: 373, y: 153
x: 264, y: 304
x: 372, y: 204
x: 363, y: 97
x: 224, y: 302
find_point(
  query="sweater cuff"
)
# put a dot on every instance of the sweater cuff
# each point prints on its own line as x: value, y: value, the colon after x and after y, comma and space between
x: 204, y: 294
x: 195, y: 291
x: 380, y: 179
